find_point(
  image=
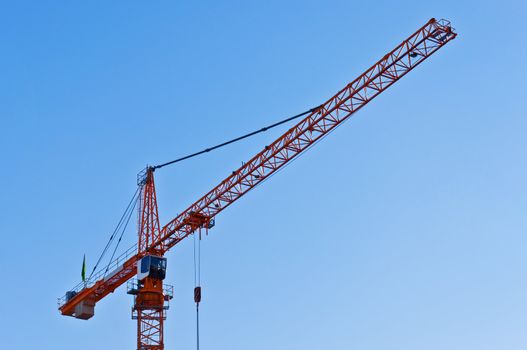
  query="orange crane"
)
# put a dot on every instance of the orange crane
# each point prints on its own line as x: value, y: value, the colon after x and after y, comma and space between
x: 146, y: 259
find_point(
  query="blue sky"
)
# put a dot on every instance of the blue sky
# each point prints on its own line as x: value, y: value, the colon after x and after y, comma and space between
x: 405, y: 229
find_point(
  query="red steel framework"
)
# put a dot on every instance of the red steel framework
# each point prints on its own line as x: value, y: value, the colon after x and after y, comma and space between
x: 149, y: 300
x: 149, y: 231
x: 154, y: 240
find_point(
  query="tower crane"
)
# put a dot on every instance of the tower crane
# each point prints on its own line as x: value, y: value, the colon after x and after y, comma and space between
x: 146, y: 260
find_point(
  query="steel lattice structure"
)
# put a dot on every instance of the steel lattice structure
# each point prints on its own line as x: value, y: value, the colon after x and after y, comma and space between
x: 157, y: 240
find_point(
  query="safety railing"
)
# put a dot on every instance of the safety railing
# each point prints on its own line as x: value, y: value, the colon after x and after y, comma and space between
x: 132, y: 287
x: 99, y: 275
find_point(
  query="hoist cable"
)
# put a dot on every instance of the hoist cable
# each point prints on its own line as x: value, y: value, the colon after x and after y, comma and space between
x: 197, y: 280
x: 194, y: 246
x: 197, y: 326
x: 237, y: 138
x: 199, y: 260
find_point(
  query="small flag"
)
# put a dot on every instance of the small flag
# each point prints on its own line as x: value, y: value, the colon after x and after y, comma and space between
x: 83, y: 272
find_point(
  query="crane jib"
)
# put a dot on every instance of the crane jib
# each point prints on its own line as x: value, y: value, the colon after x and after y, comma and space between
x: 315, y: 126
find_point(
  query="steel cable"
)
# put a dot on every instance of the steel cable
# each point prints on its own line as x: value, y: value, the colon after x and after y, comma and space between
x: 265, y: 128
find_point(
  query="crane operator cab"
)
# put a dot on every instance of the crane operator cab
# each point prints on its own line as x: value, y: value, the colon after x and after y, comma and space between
x: 152, y: 266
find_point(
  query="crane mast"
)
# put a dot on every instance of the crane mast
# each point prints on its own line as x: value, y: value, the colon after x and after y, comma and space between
x: 154, y: 241
x: 149, y: 297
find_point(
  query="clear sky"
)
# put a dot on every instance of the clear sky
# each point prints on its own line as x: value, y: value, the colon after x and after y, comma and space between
x: 405, y: 229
